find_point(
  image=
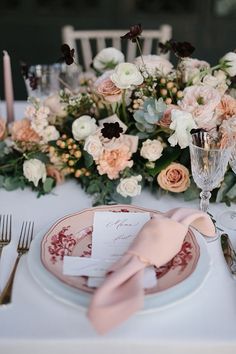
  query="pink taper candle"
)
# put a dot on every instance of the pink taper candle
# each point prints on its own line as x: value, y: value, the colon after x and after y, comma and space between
x: 8, y: 87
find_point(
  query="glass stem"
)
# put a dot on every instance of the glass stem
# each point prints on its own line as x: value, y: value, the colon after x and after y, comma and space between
x: 205, y: 198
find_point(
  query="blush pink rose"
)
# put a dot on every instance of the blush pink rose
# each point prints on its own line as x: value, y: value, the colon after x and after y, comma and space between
x: 201, y: 102
x: 109, y: 91
x: 112, y: 162
x: 174, y: 178
x: 2, y: 128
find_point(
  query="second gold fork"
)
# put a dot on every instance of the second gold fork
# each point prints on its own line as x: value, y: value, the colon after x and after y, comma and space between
x: 26, y: 236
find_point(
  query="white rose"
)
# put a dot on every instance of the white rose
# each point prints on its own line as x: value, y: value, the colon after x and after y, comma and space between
x: 83, y: 126
x: 125, y: 75
x: 151, y: 150
x: 129, y: 187
x: 93, y: 146
x: 50, y: 133
x: 230, y: 60
x: 34, y: 170
x: 182, y: 124
x: 55, y: 105
x: 154, y: 64
x: 107, y: 59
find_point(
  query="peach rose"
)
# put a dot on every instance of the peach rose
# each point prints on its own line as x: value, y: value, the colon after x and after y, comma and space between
x: 226, y: 108
x: 174, y: 178
x: 53, y: 172
x: 108, y: 90
x: 112, y: 162
x: 2, y: 128
x: 22, y: 131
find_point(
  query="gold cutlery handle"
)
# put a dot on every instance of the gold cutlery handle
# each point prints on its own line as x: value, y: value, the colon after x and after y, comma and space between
x: 1, y: 247
x: 5, y: 297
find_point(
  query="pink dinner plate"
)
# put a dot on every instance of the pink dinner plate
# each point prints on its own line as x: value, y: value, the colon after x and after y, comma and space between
x: 72, y: 236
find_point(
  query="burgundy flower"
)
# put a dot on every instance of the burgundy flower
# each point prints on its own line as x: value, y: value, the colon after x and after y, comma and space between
x: 33, y: 80
x: 165, y: 47
x: 134, y: 32
x: 111, y: 130
x: 182, y: 49
x: 67, y: 54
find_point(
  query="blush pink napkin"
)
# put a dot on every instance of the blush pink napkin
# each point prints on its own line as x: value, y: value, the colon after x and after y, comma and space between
x: 160, y: 239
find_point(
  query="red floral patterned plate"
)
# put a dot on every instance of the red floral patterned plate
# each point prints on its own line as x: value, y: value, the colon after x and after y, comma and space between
x: 72, y: 235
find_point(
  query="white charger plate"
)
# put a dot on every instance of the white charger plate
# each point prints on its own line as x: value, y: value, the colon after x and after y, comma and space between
x: 71, y: 295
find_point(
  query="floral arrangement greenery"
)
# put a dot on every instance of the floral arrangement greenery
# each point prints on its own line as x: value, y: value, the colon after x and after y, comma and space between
x: 126, y: 127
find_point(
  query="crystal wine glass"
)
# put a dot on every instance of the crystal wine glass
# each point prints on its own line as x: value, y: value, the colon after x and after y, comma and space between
x: 45, y: 80
x: 208, y: 163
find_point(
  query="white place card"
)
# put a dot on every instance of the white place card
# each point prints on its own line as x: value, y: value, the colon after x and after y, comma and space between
x: 149, y: 279
x: 83, y: 266
x: 113, y: 233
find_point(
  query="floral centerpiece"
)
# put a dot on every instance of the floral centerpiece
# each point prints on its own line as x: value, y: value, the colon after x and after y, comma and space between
x: 127, y: 127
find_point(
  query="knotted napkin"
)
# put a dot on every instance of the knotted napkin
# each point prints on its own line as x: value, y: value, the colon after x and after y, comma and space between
x: 159, y: 240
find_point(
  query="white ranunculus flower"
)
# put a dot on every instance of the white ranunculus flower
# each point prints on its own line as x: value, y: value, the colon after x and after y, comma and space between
x: 93, y: 146
x: 34, y: 170
x: 154, y: 64
x: 83, y: 126
x: 125, y: 75
x: 230, y: 60
x: 151, y: 150
x: 129, y: 187
x: 107, y: 59
x: 50, y: 133
x: 182, y: 124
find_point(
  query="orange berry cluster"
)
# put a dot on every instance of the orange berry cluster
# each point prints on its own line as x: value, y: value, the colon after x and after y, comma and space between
x: 70, y: 154
x: 169, y: 91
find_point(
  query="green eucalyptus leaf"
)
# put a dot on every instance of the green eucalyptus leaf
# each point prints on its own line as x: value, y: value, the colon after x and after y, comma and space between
x: 48, y: 184
x: 39, y: 156
x: 88, y: 159
x: 2, y: 178
x: 119, y: 199
x: 11, y: 183
x: 192, y: 192
x: 93, y: 188
x: 226, y: 185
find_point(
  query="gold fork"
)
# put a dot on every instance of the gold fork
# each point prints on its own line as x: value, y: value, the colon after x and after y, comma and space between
x: 26, y: 236
x: 5, y: 231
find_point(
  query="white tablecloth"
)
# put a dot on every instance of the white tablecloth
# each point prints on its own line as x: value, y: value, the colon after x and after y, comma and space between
x: 36, y: 322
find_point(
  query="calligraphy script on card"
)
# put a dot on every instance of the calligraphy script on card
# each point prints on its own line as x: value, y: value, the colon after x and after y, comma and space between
x: 113, y: 233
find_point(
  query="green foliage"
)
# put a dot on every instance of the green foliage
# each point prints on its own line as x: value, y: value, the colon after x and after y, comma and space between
x: 48, y: 184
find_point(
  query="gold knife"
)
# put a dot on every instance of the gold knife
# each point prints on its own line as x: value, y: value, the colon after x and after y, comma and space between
x: 229, y: 253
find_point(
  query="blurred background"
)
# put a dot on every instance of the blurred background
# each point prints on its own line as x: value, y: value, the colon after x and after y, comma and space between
x: 30, y: 30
